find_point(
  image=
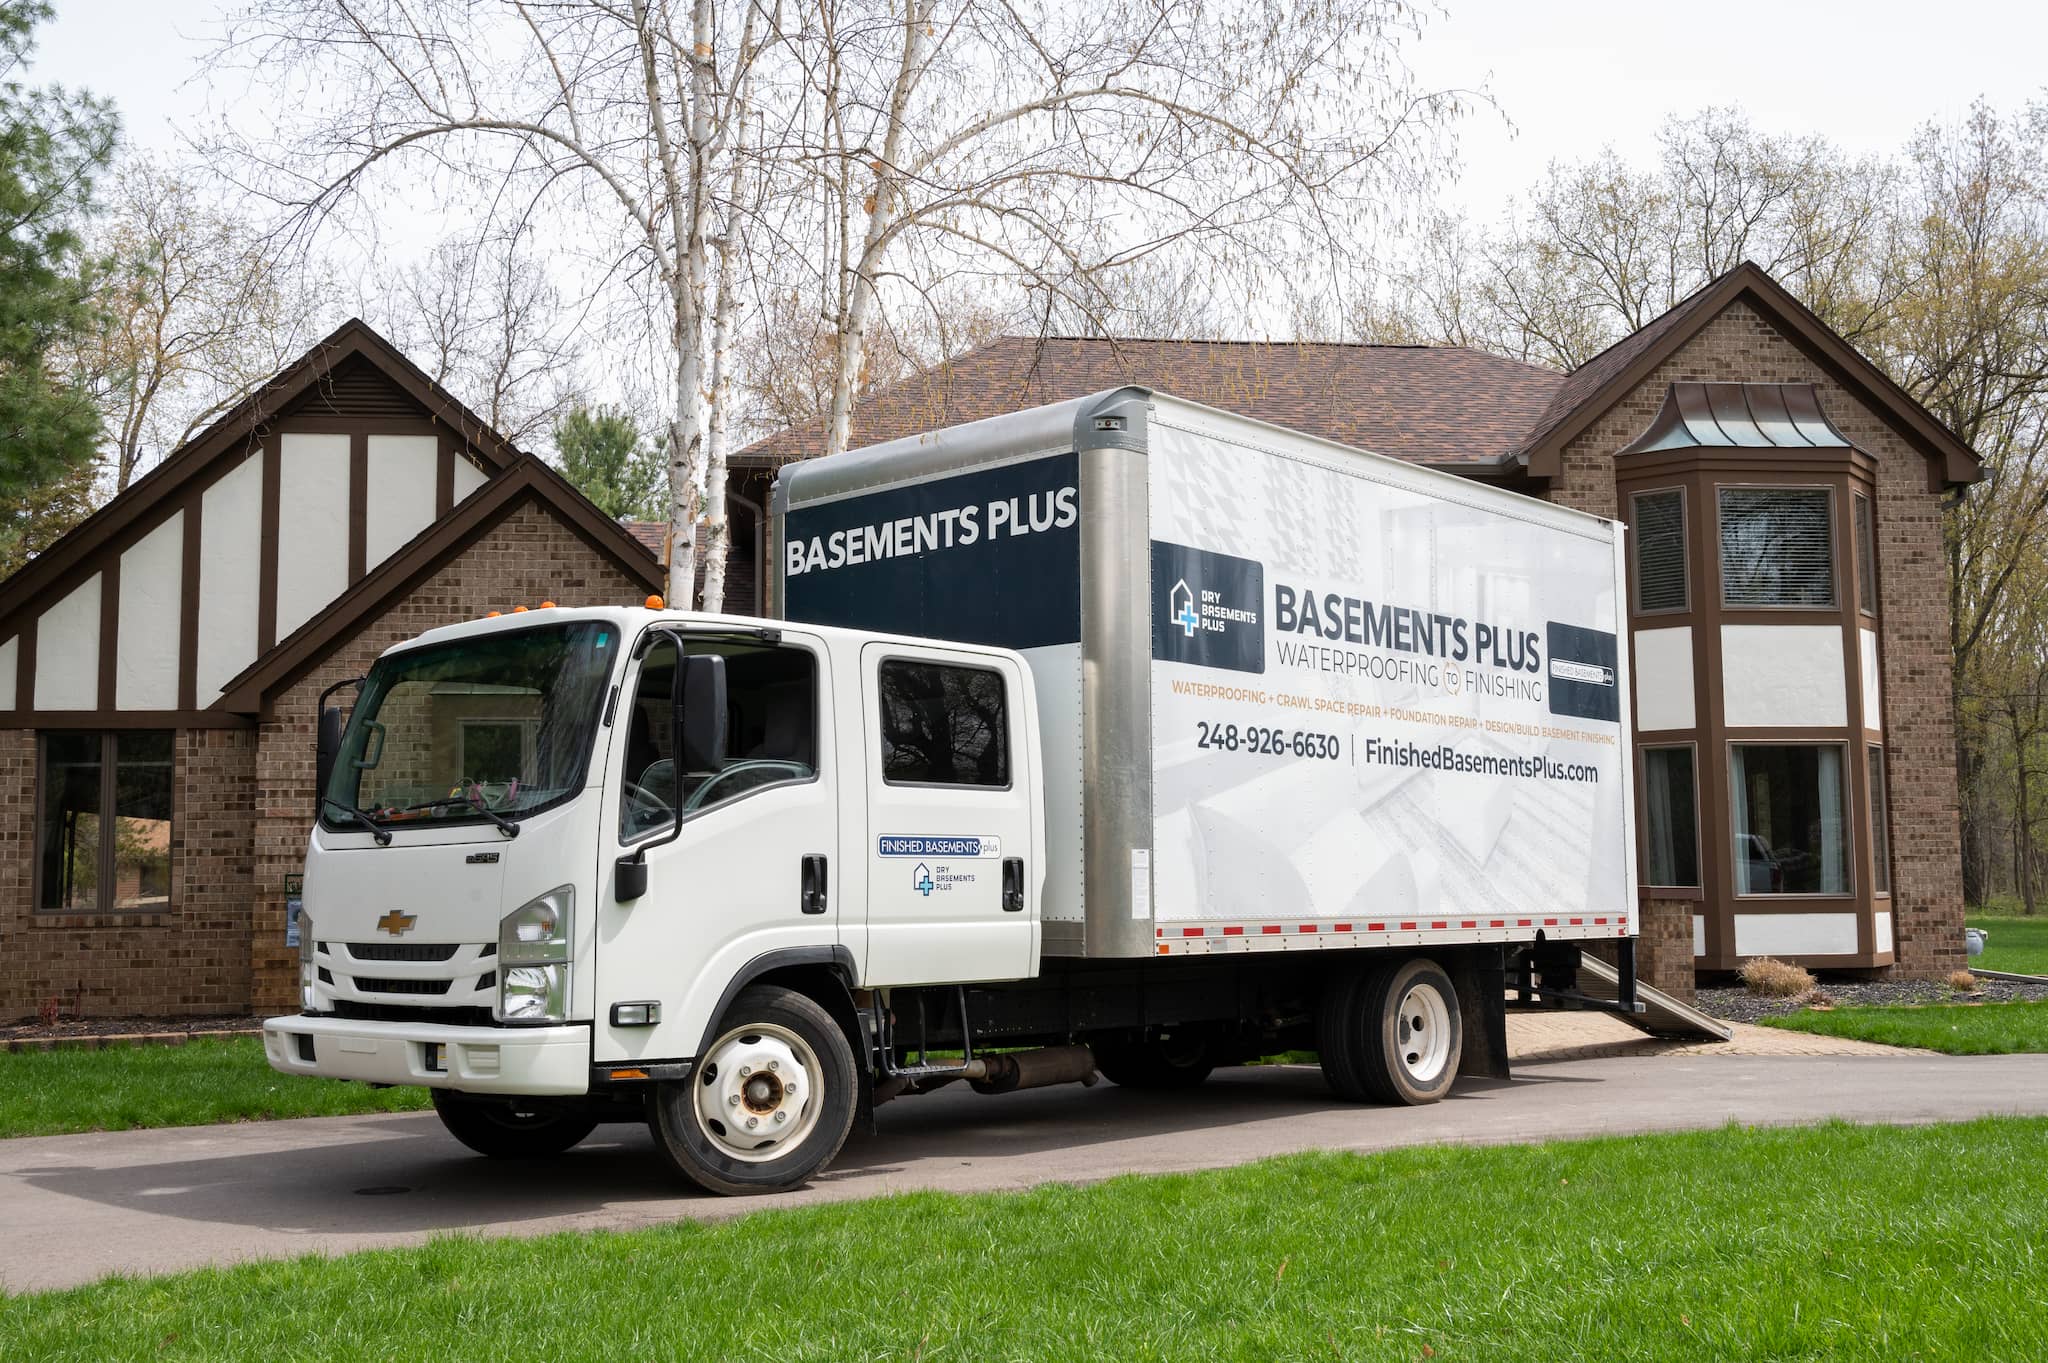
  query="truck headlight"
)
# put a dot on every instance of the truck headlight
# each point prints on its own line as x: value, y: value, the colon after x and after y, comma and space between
x: 309, y: 998
x: 534, y: 993
x: 533, y: 959
x: 537, y: 932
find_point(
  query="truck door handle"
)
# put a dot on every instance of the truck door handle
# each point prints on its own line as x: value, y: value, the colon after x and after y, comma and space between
x: 1013, y: 884
x: 812, y: 899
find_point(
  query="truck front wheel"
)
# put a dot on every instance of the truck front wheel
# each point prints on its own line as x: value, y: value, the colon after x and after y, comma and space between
x: 1392, y: 1033
x: 769, y: 1103
x: 508, y: 1129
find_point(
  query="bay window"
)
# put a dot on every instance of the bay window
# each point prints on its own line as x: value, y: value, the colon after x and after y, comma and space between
x: 1789, y: 817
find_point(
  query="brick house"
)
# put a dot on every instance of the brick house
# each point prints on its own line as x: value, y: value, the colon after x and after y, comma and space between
x: 1789, y: 624
x: 160, y: 668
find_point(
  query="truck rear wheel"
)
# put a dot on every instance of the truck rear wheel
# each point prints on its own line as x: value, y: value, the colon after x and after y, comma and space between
x: 1161, y: 1063
x: 769, y: 1103
x: 1392, y: 1034
x: 508, y: 1129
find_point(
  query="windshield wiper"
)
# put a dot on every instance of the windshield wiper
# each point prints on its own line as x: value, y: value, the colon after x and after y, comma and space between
x: 377, y: 830
x: 505, y: 825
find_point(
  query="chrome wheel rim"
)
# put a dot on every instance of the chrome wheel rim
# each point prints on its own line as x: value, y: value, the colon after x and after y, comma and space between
x: 1423, y: 1034
x: 757, y: 1093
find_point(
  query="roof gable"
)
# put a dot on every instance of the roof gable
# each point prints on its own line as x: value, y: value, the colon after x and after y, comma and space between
x: 1603, y: 380
x: 353, y: 366
x: 528, y: 479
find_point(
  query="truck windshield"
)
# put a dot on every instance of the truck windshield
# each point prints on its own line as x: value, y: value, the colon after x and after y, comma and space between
x: 497, y: 725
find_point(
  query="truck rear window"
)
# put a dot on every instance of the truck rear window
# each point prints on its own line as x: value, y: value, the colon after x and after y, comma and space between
x: 943, y: 725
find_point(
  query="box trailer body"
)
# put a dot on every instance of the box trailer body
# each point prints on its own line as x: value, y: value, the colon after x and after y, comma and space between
x: 1291, y: 695
x: 1119, y: 735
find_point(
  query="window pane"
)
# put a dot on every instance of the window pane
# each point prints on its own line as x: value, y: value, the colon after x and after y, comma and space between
x: 1660, y: 551
x: 142, y: 821
x: 648, y: 800
x: 1880, y: 838
x: 1866, y: 556
x: 943, y: 725
x: 1777, y: 547
x: 70, y: 822
x: 1790, y: 833
x: 1671, y: 826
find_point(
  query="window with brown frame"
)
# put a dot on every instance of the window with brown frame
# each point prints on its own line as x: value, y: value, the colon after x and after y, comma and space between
x: 1660, y: 550
x: 1880, y: 836
x: 1777, y: 547
x: 1671, y: 839
x: 1866, y: 557
x: 104, y: 822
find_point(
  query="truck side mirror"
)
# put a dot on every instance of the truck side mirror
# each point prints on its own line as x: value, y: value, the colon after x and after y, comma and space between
x: 327, y: 741
x: 327, y: 747
x: 699, y: 701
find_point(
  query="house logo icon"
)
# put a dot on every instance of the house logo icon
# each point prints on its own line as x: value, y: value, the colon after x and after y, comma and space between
x: 1180, y: 607
x: 921, y: 880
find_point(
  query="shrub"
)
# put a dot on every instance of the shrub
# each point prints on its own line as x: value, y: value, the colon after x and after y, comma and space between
x: 1819, y: 999
x: 1774, y: 979
x: 1963, y: 982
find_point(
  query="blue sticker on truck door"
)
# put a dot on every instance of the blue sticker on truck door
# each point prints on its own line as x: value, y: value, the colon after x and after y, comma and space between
x: 990, y: 557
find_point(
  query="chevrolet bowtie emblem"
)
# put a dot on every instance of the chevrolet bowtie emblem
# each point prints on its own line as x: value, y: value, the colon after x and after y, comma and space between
x: 396, y: 923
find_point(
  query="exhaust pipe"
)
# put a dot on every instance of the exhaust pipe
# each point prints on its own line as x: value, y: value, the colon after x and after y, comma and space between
x: 1032, y: 1069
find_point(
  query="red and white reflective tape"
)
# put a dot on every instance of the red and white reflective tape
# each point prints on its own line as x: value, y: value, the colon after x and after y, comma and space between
x: 1184, y: 936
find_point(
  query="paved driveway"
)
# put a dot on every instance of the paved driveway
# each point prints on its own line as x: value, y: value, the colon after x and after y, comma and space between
x: 74, y: 1208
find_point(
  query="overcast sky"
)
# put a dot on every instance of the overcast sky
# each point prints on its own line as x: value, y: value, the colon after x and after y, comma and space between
x: 1572, y: 75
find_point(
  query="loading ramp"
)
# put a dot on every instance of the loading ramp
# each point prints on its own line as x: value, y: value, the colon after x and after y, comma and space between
x: 1659, y: 1015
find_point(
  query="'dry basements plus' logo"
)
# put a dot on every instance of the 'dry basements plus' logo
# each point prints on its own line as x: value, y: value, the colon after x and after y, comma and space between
x: 1208, y: 609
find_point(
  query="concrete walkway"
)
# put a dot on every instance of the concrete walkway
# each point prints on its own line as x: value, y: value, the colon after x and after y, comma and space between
x: 1539, y: 1038
x: 75, y: 1208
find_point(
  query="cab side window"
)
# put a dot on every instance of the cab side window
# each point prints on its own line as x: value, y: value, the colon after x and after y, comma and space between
x: 769, y: 735
x: 943, y: 725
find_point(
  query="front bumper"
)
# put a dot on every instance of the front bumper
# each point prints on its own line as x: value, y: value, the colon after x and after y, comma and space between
x: 528, y: 1061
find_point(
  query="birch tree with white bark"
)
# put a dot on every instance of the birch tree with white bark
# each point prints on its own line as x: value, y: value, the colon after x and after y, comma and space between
x: 605, y: 122
x: 1047, y: 147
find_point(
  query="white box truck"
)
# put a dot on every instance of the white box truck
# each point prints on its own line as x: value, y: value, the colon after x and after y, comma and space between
x: 1121, y: 735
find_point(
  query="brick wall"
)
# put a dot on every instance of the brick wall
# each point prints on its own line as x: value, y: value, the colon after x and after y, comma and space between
x: 526, y: 558
x: 1741, y: 346
x: 189, y: 961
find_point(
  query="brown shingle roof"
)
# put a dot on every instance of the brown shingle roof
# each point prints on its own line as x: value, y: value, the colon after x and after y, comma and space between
x: 1427, y: 404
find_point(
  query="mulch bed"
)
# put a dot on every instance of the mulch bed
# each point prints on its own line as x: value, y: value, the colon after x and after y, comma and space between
x: 98, y: 1033
x: 1734, y: 1004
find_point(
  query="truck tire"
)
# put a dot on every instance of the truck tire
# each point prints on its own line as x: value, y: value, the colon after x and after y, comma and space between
x: 769, y: 1103
x: 1171, y: 1063
x: 1411, y: 1032
x: 1390, y: 1033
x: 507, y: 1129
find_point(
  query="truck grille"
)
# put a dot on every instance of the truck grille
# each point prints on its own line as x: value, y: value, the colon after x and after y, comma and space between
x: 371, y: 985
x: 402, y: 951
x: 439, y: 979
x: 401, y: 1012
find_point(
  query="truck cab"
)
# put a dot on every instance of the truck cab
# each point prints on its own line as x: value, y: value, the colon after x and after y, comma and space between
x: 556, y: 848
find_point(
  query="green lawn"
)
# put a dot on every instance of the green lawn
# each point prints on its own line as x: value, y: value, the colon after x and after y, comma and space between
x: 44, y: 1093
x: 1830, y: 1242
x: 2016, y: 944
x: 1958, y: 1029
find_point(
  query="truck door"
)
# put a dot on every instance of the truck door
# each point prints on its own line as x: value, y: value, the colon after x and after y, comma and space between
x: 950, y: 888
x: 755, y: 866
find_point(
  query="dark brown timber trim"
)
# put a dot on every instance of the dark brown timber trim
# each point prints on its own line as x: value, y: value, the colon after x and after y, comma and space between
x: 266, y: 570
x: 358, y: 502
x: 110, y: 629
x: 188, y: 605
x: 444, y: 475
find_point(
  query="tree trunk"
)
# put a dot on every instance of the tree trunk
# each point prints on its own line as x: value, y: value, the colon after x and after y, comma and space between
x: 853, y: 323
